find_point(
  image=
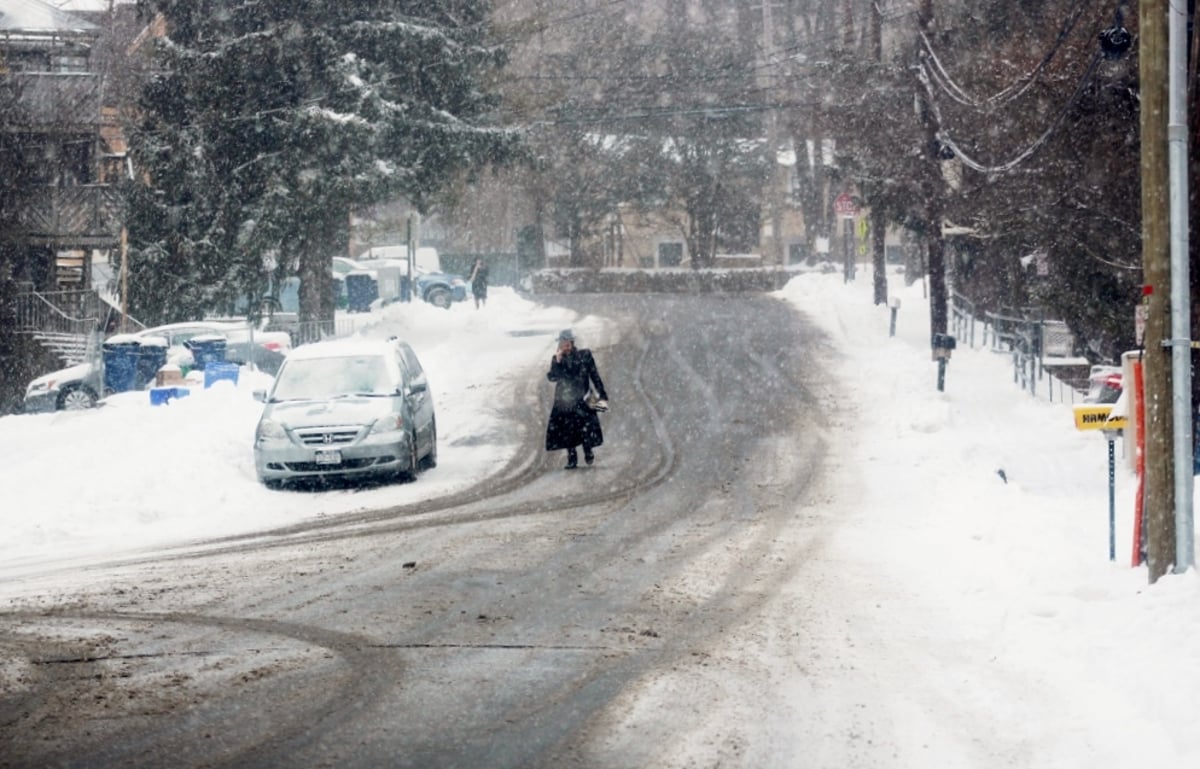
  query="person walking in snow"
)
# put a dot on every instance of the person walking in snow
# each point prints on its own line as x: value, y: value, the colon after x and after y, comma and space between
x: 572, y: 421
x: 479, y: 283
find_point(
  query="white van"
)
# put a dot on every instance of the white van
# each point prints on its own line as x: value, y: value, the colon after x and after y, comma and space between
x: 426, y: 257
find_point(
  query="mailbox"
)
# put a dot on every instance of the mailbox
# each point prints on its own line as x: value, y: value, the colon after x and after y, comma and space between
x: 943, y: 345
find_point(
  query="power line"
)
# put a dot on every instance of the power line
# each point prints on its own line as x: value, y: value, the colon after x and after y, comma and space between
x: 1016, y: 89
x: 1025, y: 154
x: 669, y: 112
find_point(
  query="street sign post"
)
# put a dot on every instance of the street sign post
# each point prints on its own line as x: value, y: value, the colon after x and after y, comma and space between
x: 1098, y: 416
x: 846, y: 209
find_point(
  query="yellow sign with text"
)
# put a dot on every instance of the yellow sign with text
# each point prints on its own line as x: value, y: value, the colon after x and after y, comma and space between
x: 1097, y: 416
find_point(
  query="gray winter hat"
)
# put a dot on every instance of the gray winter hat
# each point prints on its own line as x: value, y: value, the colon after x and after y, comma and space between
x: 566, y: 335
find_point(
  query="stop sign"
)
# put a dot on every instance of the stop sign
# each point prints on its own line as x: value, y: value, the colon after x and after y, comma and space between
x: 844, y: 206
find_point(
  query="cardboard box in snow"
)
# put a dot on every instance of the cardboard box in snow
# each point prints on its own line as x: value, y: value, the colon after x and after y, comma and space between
x: 168, y: 375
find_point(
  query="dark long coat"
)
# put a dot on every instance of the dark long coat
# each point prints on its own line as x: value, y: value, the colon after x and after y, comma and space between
x: 571, y: 422
x: 479, y: 281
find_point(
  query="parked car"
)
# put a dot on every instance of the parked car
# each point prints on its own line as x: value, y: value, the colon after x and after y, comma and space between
x: 1104, y: 384
x: 81, y: 385
x: 441, y: 289
x: 346, y: 409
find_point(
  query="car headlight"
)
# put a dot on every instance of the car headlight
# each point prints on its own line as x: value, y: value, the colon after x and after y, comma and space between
x: 38, y: 387
x: 458, y: 282
x: 269, y: 430
x: 389, y: 424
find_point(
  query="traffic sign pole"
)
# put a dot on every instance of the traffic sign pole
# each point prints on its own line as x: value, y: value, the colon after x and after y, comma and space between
x: 1112, y: 496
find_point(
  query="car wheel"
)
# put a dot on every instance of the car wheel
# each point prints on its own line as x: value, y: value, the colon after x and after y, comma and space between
x: 439, y: 297
x: 414, y: 463
x: 76, y: 399
x: 430, y: 461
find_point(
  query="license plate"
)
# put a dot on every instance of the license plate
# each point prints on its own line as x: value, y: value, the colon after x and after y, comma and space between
x: 328, y: 457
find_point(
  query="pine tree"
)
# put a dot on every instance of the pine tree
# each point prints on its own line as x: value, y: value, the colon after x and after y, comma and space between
x: 270, y: 120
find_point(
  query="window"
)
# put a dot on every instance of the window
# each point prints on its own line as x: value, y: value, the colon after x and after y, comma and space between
x: 315, y: 378
x: 670, y: 254
x: 63, y: 63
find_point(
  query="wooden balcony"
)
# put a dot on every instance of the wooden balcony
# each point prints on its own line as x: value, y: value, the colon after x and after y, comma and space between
x: 85, y: 216
x: 51, y: 101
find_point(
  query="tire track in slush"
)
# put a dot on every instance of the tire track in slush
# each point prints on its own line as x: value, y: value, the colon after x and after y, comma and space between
x: 292, y: 724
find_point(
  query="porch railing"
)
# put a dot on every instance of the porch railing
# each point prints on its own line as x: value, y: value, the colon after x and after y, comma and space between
x: 66, y: 312
x: 88, y: 213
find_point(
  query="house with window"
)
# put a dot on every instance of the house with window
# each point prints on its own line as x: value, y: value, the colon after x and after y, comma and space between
x: 65, y: 150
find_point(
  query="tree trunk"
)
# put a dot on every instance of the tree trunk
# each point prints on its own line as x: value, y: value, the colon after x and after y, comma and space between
x: 325, y: 238
x: 879, y: 252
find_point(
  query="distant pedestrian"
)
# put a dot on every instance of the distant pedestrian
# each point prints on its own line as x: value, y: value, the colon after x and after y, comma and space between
x: 479, y: 283
x: 572, y: 421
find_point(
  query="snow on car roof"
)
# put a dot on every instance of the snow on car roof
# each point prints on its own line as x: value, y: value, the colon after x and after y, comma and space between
x: 338, y: 348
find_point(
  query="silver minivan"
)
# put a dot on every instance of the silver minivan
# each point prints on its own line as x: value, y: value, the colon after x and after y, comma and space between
x: 346, y: 409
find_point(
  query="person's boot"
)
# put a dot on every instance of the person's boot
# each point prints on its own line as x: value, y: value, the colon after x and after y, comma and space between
x: 572, y: 460
x: 588, y: 456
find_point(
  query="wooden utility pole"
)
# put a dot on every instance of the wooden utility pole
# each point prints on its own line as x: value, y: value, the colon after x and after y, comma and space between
x: 124, y: 279
x: 932, y: 188
x: 878, y: 224
x: 848, y: 25
x: 773, y: 249
x: 1159, y: 483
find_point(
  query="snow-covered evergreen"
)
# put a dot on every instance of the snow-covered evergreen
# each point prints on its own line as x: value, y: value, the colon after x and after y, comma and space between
x: 268, y: 122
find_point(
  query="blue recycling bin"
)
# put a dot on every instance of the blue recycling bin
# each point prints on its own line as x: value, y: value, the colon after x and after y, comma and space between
x: 361, y: 291
x: 160, y: 396
x: 151, y: 356
x: 206, y: 348
x: 120, y: 365
x: 216, y: 372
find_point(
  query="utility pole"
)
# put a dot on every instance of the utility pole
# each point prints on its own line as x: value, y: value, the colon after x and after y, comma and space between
x: 124, y: 279
x: 848, y: 25
x: 932, y: 186
x: 1181, y: 342
x: 1159, y: 481
x: 878, y: 242
x: 774, y: 246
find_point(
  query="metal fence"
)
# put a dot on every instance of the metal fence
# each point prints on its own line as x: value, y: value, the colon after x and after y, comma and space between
x: 1042, y: 351
x: 319, y: 330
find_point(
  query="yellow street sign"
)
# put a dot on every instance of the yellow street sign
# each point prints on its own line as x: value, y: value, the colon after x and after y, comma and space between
x: 1097, y: 416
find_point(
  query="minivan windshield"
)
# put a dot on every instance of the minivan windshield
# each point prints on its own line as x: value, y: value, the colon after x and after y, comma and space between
x: 316, y: 378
